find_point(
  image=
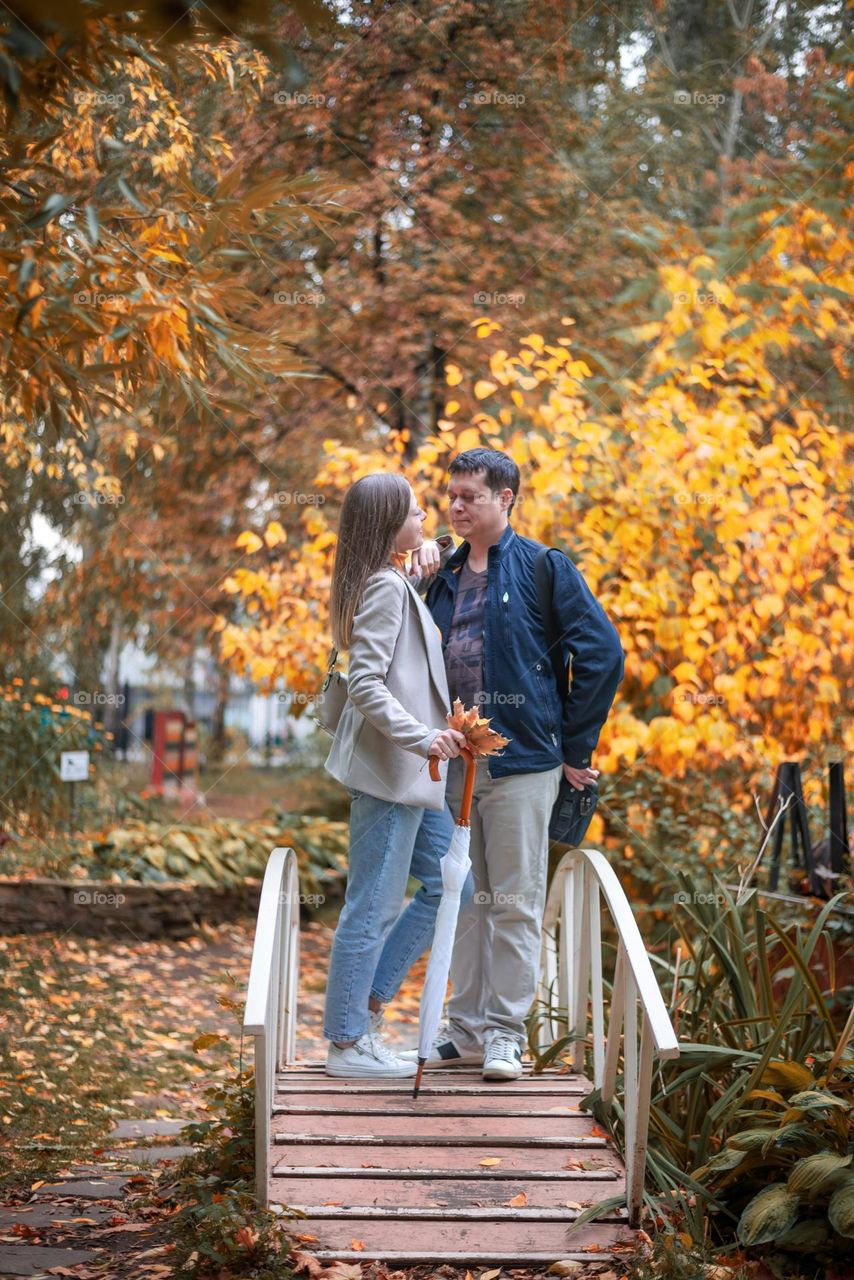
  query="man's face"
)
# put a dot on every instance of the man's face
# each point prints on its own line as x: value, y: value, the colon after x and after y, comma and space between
x: 474, y: 510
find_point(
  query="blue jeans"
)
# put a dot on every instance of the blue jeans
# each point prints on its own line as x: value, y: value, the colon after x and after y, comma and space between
x: 376, y: 944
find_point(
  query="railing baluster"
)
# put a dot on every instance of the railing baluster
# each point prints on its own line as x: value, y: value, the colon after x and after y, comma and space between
x: 581, y: 952
x: 597, y: 995
x: 566, y: 945
x: 581, y: 881
x: 615, y: 1025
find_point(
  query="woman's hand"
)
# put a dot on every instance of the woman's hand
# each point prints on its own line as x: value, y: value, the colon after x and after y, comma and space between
x: 426, y: 560
x: 447, y: 744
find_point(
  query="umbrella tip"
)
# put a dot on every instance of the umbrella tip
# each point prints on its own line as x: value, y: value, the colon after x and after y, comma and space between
x: 418, y: 1076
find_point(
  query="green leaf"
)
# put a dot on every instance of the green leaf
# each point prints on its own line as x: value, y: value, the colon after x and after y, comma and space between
x: 131, y: 197
x: 810, y: 1174
x: 768, y: 1215
x: 815, y: 1100
x: 840, y: 1210
x: 92, y: 223
x: 52, y: 208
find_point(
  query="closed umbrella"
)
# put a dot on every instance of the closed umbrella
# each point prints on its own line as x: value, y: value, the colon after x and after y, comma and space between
x: 455, y: 867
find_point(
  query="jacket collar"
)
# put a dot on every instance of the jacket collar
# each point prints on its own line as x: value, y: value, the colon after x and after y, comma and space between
x: 495, y: 552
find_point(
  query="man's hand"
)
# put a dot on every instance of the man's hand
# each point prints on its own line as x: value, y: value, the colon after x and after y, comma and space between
x: 425, y: 560
x: 579, y: 778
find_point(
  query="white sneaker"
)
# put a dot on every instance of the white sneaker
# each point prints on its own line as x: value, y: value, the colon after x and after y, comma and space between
x: 503, y: 1059
x: 445, y: 1053
x: 368, y: 1056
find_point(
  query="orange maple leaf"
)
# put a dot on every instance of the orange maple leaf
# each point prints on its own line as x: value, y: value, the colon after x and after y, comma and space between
x: 481, y: 740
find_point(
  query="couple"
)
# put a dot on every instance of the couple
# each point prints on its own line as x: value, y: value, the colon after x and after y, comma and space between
x: 476, y: 635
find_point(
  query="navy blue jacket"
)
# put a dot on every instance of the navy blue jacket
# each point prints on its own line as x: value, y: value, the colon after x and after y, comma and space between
x: 520, y: 692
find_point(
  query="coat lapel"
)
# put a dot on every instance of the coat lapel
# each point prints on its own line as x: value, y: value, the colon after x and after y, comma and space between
x: 431, y: 635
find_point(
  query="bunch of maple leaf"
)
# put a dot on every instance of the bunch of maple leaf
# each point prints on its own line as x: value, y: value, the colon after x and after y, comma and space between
x: 480, y: 739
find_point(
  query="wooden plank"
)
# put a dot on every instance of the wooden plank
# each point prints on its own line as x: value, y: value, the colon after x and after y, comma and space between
x: 488, y: 1214
x: 457, y: 1159
x: 456, y: 1193
x: 436, y: 1086
x: 443, y: 1140
x: 388, y: 1237
x: 475, y: 1107
x: 485, y: 1174
x: 508, y: 1259
x: 491, y: 1127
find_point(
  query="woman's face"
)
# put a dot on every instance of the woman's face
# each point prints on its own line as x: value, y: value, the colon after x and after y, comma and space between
x: 409, y: 535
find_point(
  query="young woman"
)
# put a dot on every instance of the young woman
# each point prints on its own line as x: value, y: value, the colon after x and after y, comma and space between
x: 394, y: 720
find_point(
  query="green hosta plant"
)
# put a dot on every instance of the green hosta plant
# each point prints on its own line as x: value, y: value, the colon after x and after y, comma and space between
x: 790, y: 1171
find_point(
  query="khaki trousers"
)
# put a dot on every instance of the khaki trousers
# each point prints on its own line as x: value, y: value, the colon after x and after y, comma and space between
x: 496, y: 958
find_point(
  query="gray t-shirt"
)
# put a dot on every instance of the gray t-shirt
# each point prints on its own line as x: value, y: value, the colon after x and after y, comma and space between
x: 464, y: 647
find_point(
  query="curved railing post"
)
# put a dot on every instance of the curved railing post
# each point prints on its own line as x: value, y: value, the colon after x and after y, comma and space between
x: 572, y: 960
x: 270, y: 1013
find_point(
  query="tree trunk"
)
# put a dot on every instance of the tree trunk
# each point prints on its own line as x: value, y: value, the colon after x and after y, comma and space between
x: 217, y: 747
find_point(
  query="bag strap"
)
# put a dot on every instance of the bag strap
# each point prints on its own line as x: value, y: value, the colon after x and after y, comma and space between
x: 545, y: 594
x: 333, y: 658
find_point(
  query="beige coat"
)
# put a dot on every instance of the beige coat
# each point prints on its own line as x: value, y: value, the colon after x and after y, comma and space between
x: 397, y: 696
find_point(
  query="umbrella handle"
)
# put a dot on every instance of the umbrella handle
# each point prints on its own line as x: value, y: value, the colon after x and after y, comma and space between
x: 468, y: 788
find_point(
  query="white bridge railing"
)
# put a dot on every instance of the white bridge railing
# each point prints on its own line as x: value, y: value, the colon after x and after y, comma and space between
x: 270, y: 1013
x: 571, y: 978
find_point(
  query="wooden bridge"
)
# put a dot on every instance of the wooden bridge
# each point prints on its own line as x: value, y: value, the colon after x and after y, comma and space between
x: 473, y: 1171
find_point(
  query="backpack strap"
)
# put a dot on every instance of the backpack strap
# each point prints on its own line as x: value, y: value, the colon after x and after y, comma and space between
x: 544, y: 579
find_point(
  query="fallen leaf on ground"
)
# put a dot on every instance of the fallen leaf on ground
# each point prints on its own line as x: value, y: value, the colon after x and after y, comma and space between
x: 302, y: 1261
x: 565, y: 1267
x: 517, y: 1202
x: 357, y: 1244
x: 490, y: 1160
x: 490, y: 1275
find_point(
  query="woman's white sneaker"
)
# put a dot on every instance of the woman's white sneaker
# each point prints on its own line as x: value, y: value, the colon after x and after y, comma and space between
x: 503, y: 1059
x: 368, y: 1056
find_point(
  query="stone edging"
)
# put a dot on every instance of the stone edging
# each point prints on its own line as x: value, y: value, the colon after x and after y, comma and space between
x: 110, y: 908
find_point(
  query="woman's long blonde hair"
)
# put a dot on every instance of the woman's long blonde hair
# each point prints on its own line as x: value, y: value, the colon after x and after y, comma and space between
x: 373, y: 510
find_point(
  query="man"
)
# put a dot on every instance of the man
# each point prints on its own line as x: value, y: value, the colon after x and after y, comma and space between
x: 483, y: 598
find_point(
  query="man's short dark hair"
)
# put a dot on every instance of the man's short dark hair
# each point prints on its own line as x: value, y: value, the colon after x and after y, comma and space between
x: 500, y: 471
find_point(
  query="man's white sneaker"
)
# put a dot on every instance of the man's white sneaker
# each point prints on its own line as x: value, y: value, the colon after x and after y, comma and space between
x: 503, y: 1059
x: 445, y: 1053
x: 368, y: 1056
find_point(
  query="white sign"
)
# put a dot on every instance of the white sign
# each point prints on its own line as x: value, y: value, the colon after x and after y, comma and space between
x: 74, y: 766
